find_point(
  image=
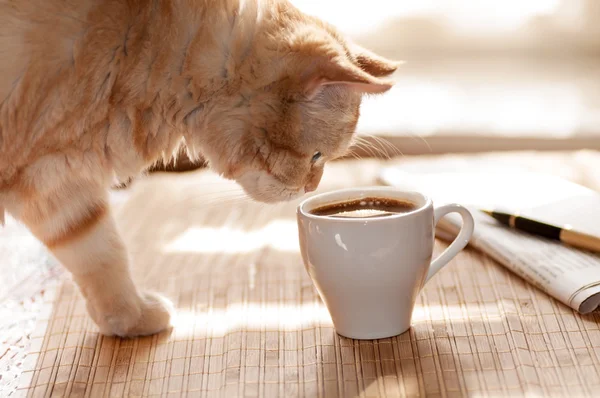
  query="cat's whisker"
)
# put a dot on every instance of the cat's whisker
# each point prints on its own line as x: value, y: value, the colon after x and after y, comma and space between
x: 418, y: 137
x: 383, y: 144
x: 375, y: 149
x: 352, y: 152
x: 380, y: 144
x: 365, y: 146
x: 386, y: 144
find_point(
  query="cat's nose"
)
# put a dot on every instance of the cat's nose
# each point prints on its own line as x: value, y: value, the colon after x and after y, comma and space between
x: 313, y: 181
x: 310, y: 187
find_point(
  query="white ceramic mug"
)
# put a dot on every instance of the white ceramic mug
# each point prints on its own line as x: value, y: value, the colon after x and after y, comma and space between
x: 369, y: 271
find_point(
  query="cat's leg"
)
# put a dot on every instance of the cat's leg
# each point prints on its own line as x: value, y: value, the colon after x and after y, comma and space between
x: 76, y: 224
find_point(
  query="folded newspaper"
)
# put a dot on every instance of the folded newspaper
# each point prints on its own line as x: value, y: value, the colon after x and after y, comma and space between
x: 568, y: 274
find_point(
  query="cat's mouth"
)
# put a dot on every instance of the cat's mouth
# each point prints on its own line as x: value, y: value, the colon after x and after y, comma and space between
x: 263, y: 187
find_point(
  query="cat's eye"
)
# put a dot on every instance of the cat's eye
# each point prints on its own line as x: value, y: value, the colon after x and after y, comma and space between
x: 316, y: 156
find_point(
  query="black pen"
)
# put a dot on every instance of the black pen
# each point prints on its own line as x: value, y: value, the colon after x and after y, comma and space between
x: 563, y: 234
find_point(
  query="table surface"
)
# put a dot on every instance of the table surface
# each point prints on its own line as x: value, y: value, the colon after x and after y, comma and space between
x: 250, y: 322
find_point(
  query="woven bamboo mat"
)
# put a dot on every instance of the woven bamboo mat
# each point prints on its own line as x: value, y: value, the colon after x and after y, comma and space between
x: 250, y: 323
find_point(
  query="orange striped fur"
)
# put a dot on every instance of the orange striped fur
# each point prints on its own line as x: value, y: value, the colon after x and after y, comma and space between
x: 91, y: 90
x: 78, y: 228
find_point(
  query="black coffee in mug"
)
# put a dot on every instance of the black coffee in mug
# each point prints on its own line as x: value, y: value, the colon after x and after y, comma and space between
x: 364, y: 208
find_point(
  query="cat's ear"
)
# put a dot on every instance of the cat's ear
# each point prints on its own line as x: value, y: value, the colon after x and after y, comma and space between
x: 372, y: 63
x: 344, y: 73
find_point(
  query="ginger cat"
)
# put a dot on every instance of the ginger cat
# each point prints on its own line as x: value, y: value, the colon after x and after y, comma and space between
x: 91, y: 90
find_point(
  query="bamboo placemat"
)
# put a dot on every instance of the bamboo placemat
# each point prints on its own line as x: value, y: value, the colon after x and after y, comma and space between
x: 251, y: 324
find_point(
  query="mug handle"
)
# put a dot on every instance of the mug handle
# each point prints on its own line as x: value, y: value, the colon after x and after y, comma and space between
x: 458, y: 243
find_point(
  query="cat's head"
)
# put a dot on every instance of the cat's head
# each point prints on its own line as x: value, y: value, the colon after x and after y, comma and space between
x: 296, y: 109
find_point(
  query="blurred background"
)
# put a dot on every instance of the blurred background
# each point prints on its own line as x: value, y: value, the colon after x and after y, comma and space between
x: 479, y: 75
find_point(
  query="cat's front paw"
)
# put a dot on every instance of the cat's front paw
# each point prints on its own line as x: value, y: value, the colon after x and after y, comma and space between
x: 157, y: 313
x: 151, y: 314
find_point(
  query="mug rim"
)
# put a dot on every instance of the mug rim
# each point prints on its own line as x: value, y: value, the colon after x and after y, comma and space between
x: 425, y: 203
